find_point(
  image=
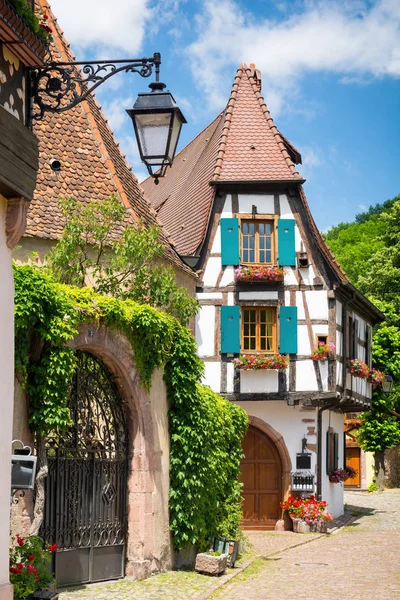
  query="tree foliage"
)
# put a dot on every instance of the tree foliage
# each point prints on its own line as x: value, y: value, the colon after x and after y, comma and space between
x: 118, y: 259
x: 206, y: 430
x: 369, y: 251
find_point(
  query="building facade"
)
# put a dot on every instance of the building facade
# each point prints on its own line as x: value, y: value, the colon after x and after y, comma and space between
x: 19, y: 48
x: 270, y: 293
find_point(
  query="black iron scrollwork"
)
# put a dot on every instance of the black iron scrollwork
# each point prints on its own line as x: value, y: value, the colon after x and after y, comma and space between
x: 59, y: 86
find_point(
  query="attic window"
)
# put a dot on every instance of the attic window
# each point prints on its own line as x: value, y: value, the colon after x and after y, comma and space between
x: 322, y: 339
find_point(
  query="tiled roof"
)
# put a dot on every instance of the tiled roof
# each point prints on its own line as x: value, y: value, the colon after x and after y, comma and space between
x: 242, y: 143
x: 251, y: 147
x: 93, y: 166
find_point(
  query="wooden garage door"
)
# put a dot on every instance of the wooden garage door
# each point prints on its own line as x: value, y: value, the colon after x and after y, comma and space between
x: 261, y: 475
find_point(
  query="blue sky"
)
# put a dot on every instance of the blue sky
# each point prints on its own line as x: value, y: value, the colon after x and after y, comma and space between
x: 330, y: 73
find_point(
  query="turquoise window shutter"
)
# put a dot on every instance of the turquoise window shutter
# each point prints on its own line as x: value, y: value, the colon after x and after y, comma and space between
x: 230, y: 329
x: 288, y: 330
x: 230, y: 241
x: 286, y: 243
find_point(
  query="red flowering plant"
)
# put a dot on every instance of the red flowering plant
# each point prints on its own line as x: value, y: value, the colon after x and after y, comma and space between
x: 45, y: 30
x: 255, y: 362
x: 358, y: 368
x: 307, y: 509
x: 376, y: 377
x: 29, y: 558
x: 259, y: 273
x: 323, y: 351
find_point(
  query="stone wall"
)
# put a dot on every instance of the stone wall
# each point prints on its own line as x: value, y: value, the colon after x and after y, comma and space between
x: 392, y: 464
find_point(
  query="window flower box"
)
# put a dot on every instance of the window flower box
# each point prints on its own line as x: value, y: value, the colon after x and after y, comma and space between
x: 376, y: 377
x: 358, y: 368
x: 255, y: 362
x: 259, y: 273
x: 307, y: 514
x: 324, y: 351
x: 339, y: 475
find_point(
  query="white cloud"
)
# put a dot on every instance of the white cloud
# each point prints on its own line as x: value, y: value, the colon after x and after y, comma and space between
x: 349, y: 38
x: 117, y: 25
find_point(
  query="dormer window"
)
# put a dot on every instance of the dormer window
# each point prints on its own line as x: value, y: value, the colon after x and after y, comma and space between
x: 257, y: 242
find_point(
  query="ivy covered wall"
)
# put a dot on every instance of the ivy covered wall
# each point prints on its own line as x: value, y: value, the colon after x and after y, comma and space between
x: 205, y: 429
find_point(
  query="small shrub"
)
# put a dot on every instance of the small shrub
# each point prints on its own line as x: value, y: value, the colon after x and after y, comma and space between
x: 372, y: 487
x: 29, y: 558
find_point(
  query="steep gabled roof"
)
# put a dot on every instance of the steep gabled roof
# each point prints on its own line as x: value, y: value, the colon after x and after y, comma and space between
x: 93, y: 166
x: 251, y: 147
x: 241, y: 144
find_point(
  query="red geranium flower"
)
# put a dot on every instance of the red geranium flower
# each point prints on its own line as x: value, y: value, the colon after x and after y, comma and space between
x: 53, y: 548
x: 31, y: 557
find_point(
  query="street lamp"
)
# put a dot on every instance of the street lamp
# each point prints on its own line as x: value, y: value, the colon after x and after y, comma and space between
x: 157, y: 122
x: 59, y: 86
x: 387, y: 384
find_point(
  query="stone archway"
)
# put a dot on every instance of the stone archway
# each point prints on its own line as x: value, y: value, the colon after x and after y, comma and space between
x: 148, y: 545
x: 281, y: 448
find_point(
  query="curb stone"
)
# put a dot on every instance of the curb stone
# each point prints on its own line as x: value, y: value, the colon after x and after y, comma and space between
x: 240, y: 570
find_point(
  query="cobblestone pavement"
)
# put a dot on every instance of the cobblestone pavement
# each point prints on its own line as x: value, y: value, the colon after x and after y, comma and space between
x: 360, y: 562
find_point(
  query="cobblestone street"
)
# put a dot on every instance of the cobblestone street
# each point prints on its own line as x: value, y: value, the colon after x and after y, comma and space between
x: 360, y: 562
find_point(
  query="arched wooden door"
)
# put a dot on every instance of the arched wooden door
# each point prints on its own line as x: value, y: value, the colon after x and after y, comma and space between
x: 261, y: 475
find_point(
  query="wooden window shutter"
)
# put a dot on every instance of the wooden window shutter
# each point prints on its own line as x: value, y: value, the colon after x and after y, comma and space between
x: 286, y: 243
x: 288, y: 330
x: 230, y: 241
x: 230, y: 329
x: 328, y: 452
x: 335, y: 450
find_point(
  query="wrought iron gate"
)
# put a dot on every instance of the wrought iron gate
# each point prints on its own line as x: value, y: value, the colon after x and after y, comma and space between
x: 85, y: 509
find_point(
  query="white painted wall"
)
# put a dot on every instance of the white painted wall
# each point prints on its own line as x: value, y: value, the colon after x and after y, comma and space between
x: 262, y: 381
x: 286, y: 213
x: 332, y: 492
x: 228, y: 277
x: 211, y: 272
x: 205, y: 326
x: 263, y: 202
x: 212, y: 375
x: 258, y: 295
x: 317, y: 302
x: 6, y: 396
x: 306, y: 379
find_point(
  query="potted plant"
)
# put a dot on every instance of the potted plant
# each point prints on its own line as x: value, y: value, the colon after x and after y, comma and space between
x: 29, y: 558
x: 255, y: 362
x: 259, y: 273
x: 307, y: 514
x: 323, y: 351
x: 212, y: 562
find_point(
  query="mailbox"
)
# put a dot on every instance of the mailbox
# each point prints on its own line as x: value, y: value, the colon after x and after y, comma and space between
x: 23, y: 468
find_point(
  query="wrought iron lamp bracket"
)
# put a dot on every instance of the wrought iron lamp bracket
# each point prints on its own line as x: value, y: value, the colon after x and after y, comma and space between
x: 59, y: 86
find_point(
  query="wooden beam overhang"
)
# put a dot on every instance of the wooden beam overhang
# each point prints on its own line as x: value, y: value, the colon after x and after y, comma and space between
x: 356, y: 300
x: 256, y: 186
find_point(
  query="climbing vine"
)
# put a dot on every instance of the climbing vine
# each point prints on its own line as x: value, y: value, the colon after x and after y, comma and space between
x: 206, y: 430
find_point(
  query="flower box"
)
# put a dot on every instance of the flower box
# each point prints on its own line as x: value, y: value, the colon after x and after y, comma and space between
x: 358, y: 368
x: 323, y: 352
x: 376, y: 377
x: 339, y: 475
x: 307, y: 514
x: 210, y: 564
x: 255, y: 362
x: 259, y: 273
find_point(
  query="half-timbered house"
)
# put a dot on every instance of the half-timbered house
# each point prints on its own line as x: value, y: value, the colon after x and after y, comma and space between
x: 270, y: 292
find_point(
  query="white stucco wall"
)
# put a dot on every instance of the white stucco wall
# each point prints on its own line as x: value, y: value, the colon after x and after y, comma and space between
x: 6, y: 395
x: 205, y: 325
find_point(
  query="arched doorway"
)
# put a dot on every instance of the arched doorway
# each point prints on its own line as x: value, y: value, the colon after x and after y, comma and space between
x: 261, y: 475
x: 86, y: 495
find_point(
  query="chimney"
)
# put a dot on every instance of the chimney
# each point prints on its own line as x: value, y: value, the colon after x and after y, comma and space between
x: 256, y: 74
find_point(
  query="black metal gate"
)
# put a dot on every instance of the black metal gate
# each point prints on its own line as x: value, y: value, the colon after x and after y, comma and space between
x: 85, y: 509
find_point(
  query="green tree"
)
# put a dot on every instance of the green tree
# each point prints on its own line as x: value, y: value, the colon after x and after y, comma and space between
x: 118, y: 259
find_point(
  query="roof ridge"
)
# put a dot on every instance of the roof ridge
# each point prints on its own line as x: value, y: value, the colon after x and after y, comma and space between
x: 228, y: 119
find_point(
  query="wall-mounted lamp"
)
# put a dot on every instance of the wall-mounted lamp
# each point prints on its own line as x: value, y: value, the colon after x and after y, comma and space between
x: 387, y: 385
x: 58, y: 86
x: 23, y: 468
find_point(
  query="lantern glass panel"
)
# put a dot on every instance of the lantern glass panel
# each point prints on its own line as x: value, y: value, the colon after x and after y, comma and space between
x: 176, y: 129
x: 153, y: 131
